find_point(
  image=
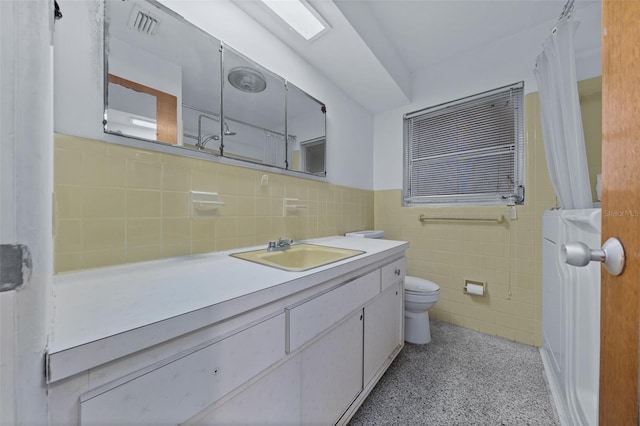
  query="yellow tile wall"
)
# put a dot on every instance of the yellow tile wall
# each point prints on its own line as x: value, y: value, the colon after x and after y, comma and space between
x: 116, y: 204
x: 505, y: 256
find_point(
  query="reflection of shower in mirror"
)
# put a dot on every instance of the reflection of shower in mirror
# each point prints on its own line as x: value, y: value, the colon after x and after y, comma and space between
x: 200, y: 145
x: 156, y: 91
x: 202, y: 140
x: 228, y: 132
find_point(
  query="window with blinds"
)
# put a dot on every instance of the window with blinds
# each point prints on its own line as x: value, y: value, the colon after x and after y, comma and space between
x: 469, y: 151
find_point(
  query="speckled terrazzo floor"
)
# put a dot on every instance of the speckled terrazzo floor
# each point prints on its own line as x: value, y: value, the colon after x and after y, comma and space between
x: 461, y: 378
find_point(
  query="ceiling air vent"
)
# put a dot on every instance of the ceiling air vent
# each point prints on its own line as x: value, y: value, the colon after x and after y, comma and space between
x: 143, y: 21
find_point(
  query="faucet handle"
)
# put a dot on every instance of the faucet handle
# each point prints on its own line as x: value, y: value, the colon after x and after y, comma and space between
x: 272, y: 244
x: 284, y: 242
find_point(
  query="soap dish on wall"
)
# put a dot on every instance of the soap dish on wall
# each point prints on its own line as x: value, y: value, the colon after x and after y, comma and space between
x: 290, y: 205
x: 205, y: 202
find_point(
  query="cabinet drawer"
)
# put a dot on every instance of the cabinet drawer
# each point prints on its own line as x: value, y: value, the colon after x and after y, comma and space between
x: 311, y: 318
x: 393, y: 272
x: 177, y: 391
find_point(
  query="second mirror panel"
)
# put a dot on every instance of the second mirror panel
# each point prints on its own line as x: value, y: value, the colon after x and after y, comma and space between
x: 307, y: 136
x: 253, y: 110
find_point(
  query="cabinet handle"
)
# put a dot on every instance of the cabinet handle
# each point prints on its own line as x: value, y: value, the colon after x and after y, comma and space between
x: 215, y: 371
x: 397, y: 271
x: 360, y: 317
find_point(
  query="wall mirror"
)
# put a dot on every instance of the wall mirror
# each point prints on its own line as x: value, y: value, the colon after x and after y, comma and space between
x: 307, y: 134
x: 254, y: 111
x: 159, y: 85
x: 168, y: 82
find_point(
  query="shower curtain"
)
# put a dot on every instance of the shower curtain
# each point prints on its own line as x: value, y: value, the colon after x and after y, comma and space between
x: 274, y: 150
x: 562, y: 131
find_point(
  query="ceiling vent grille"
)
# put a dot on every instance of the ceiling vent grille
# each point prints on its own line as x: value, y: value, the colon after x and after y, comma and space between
x: 143, y: 21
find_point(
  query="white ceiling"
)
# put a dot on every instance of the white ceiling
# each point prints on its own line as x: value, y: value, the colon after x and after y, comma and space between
x: 428, y: 32
x: 340, y: 54
x: 374, y: 46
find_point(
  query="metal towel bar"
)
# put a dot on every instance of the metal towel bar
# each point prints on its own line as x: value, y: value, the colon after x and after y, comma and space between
x: 498, y: 219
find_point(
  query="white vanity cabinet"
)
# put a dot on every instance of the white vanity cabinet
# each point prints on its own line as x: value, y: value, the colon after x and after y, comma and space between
x: 337, y: 359
x: 315, y: 386
x: 310, y: 318
x: 384, y: 319
x: 272, y: 400
x: 393, y: 272
x: 307, y: 352
x: 383, y: 329
x: 332, y: 372
x: 172, y: 393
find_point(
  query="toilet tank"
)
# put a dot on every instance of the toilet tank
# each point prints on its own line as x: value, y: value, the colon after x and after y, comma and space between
x: 365, y: 234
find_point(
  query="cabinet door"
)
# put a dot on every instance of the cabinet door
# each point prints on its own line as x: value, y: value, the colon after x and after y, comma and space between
x: 309, y: 319
x: 332, y: 372
x: 272, y: 400
x: 179, y: 390
x: 383, y: 329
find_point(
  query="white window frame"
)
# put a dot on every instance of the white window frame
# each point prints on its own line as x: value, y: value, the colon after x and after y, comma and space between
x: 303, y: 154
x: 414, y: 167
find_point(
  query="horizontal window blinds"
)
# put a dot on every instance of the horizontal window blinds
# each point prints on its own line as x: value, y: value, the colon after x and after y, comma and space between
x: 466, y: 151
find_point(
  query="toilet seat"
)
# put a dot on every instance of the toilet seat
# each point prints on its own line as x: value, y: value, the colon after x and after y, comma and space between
x: 425, y: 298
x: 419, y: 286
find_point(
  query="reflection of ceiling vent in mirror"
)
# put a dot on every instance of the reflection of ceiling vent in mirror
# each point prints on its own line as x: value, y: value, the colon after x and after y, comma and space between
x: 143, y: 21
x: 247, y: 79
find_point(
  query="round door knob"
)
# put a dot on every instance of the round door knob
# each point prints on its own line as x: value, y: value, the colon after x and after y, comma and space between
x: 611, y: 255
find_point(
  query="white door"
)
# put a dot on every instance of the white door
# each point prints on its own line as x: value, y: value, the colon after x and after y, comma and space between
x: 26, y: 187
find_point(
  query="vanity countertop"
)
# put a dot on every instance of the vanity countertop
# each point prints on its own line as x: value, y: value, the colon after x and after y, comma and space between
x: 170, y: 297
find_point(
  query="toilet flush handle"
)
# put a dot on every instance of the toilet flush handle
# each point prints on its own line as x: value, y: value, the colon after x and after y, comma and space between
x: 611, y: 255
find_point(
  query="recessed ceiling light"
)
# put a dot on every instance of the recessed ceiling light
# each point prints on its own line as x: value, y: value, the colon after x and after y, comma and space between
x: 300, y: 16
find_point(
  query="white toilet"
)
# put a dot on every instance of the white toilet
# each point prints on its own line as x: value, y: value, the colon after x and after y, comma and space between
x: 419, y: 296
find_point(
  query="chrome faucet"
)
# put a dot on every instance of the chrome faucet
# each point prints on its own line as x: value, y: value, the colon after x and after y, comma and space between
x: 281, y: 244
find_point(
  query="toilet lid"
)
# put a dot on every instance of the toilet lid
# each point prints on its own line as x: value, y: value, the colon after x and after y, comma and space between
x: 420, y: 285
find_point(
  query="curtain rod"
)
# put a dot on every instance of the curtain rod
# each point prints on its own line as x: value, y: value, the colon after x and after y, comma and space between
x: 217, y: 118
